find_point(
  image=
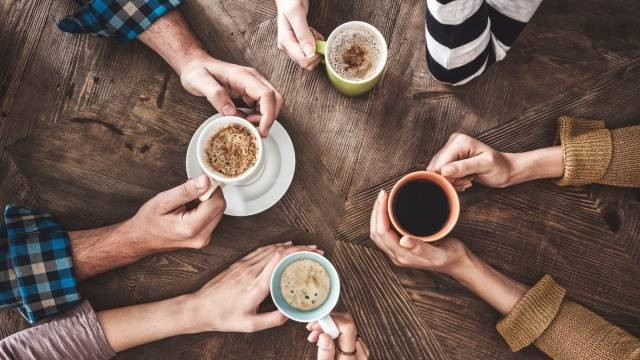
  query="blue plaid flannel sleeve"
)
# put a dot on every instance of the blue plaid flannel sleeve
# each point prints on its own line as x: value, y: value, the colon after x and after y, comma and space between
x: 123, y: 20
x: 36, y: 271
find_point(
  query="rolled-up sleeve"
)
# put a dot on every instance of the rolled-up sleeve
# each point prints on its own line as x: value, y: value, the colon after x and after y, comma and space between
x: 122, y: 20
x: 563, y: 329
x: 75, y: 334
x: 36, y: 269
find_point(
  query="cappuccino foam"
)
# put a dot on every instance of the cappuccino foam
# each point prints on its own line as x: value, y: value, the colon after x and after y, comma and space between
x: 356, y: 54
x: 305, y: 284
x: 231, y: 151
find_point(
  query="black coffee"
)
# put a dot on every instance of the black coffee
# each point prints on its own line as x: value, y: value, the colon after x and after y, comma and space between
x: 421, y: 207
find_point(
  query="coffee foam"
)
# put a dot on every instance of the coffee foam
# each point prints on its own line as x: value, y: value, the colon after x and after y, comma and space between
x: 231, y: 151
x: 364, y: 38
x: 305, y: 284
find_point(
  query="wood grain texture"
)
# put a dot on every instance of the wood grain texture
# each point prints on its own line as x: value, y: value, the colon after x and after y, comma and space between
x: 389, y: 325
x: 90, y: 129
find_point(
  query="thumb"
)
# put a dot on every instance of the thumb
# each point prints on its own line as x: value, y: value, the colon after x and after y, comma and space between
x: 465, y: 167
x: 268, y: 320
x: 326, y: 347
x: 304, y: 35
x: 172, y: 199
x: 416, y: 246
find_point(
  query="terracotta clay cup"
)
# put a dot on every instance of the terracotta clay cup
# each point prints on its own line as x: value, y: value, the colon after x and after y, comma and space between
x: 450, y: 192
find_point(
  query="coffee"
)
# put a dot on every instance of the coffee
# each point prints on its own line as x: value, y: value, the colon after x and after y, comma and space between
x: 356, y: 54
x: 305, y: 284
x: 231, y: 151
x: 421, y: 207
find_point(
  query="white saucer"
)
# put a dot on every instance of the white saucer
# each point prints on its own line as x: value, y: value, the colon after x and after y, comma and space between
x: 269, y: 188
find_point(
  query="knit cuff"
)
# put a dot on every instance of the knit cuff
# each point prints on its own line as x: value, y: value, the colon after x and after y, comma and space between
x: 587, y: 150
x: 532, y: 315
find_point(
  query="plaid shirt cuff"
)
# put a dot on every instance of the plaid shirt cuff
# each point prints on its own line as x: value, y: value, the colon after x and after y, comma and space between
x: 36, y: 271
x: 123, y: 20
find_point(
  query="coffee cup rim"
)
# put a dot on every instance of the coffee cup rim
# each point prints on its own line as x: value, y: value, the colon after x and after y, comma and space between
x: 376, y: 32
x: 207, y: 132
x: 450, y: 192
x: 335, y: 288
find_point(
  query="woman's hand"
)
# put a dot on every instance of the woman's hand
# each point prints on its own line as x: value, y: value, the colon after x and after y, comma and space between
x: 229, y: 302
x: 350, y: 346
x: 464, y: 159
x: 445, y: 256
x: 295, y: 37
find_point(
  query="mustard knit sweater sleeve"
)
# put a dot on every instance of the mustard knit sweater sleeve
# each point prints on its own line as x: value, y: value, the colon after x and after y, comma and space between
x: 563, y: 329
x: 594, y: 154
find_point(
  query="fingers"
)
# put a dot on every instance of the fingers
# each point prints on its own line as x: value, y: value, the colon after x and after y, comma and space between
x: 465, y: 167
x: 268, y: 320
x: 415, y: 246
x: 207, y: 212
x: 459, y: 146
x: 171, y: 199
x: 206, y: 85
x: 303, y: 33
x: 348, y: 331
x: 463, y: 183
x: 326, y: 347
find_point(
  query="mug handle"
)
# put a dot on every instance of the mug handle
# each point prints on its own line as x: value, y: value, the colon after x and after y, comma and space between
x: 321, y: 48
x: 329, y: 326
x: 214, y: 185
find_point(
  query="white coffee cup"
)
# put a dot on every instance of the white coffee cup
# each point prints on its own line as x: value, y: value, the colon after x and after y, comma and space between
x: 323, y: 313
x: 218, y: 179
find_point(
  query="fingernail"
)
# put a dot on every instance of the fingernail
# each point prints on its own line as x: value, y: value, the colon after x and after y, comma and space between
x: 309, y: 326
x: 309, y: 50
x: 200, y: 182
x: 228, y: 109
x: 321, y: 251
x: 313, y: 246
x: 309, y: 337
x: 380, y: 194
x: 288, y: 242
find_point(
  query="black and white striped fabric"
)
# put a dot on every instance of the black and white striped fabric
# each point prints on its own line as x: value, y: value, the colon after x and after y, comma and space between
x: 464, y: 37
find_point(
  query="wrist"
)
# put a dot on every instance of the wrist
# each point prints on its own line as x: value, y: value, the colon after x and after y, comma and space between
x: 545, y: 163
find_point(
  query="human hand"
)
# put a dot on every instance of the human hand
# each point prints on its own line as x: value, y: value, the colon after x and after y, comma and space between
x: 464, y: 159
x: 229, y: 302
x: 164, y: 222
x: 295, y: 37
x: 220, y: 81
x: 348, y: 340
x: 445, y: 256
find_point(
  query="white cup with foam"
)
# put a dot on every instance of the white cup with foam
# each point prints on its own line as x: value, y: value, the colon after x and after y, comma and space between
x: 218, y: 179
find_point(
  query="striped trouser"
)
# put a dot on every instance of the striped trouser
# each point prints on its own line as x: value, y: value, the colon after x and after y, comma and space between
x: 464, y: 37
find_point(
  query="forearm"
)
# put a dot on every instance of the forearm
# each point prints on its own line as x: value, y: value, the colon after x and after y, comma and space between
x: 95, y: 251
x: 498, y: 290
x: 172, y: 38
x: 546, y: 163
x: 135, y: 325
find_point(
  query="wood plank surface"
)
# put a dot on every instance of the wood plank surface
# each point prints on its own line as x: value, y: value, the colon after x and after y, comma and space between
x: 90, y: 129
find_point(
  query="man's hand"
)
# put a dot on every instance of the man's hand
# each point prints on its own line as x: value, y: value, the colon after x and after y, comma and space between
x: 220, y: 82
x: 202, y: 75
x: 295, y: 37
x: 162, y: 223
x: 445, y: 256
x: 165, y: 222
x: 229, y: 302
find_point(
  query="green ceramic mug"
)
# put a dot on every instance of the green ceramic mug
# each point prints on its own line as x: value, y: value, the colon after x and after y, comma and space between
x: 344, y: 85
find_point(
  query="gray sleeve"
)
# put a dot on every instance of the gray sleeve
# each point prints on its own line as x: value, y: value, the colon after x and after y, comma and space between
x: 75, y: 334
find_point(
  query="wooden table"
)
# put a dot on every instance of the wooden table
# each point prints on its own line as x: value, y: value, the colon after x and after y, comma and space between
x: 92, y: 129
